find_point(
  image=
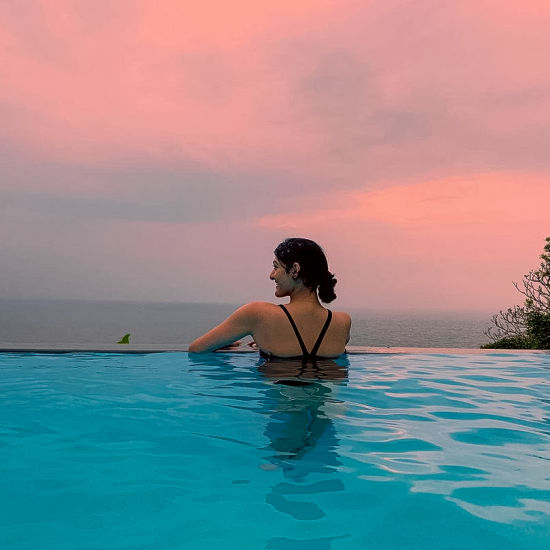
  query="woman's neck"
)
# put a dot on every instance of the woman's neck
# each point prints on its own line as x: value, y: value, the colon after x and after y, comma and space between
x: 304, y: 295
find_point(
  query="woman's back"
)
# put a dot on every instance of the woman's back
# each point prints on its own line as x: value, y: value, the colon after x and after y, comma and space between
x: 274, y: 332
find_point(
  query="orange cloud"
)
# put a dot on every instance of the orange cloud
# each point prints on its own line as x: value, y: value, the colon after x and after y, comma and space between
x: 454, y: 243
x: 480, y: 200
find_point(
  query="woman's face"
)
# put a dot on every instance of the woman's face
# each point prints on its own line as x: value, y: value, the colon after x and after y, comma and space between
x: 284, y: 283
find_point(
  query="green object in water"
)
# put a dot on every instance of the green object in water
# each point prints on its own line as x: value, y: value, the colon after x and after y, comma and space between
x: 125, y: 339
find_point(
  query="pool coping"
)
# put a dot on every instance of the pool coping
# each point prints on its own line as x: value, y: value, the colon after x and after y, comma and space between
x: 161, y: 348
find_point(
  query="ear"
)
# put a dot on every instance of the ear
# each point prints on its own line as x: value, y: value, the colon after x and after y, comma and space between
x: 295, y: 270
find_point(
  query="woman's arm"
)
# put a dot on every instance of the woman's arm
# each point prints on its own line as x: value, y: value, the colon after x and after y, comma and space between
x: 348, y: 325
x: 240, y: 323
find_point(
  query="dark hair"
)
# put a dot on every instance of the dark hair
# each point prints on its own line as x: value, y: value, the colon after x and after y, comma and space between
x: 314, y: 271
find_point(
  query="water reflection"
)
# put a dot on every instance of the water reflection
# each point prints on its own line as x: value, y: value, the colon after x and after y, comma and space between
x: 295, y: 372
x: 301, y: 432
x: 300, y: 403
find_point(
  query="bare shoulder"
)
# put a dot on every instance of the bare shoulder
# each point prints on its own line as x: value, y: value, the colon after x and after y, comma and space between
x: 342, y: 317
x: 343, y: 324
x: 258, y: 306
x: 257, y: 310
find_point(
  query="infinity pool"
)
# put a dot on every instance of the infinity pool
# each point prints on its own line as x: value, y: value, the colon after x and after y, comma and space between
x: 173, y: 451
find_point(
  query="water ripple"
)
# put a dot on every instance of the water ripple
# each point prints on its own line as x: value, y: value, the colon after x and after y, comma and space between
x: 452, y: 448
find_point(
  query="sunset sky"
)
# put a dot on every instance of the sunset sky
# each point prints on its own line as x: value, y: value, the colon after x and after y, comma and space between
x: 161, y: 150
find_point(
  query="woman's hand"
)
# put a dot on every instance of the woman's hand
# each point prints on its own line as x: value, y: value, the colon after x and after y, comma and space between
x: 233, y: 345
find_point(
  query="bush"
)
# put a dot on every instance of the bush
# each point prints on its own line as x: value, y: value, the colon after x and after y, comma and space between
x: 537, y: 335
x: 538, y: 329
x: 511, y: 342
x: 527, y: 326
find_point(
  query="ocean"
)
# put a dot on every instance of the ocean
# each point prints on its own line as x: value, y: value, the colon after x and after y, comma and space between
x: 105, y: 322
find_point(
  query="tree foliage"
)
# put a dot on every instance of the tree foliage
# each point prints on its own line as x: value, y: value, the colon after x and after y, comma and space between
x: 526, y: 326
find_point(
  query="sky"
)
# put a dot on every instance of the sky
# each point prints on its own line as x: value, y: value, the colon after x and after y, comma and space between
x: 160, y: 150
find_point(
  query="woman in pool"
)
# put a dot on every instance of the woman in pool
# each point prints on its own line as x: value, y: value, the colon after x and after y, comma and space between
x: 301, y: 329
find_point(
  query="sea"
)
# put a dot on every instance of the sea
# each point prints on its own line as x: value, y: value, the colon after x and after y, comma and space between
x: 105, y: 322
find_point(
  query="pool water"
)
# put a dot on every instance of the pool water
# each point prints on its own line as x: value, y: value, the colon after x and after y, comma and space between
x: 175, y: 451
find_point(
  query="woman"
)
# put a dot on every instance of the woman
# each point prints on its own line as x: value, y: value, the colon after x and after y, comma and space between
x: 303, y: 328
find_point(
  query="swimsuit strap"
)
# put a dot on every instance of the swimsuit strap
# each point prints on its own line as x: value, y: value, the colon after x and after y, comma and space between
x: 322, y: 334
x: 299, y: 337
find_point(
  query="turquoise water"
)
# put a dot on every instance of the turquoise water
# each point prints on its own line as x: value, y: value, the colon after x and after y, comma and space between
x: 171, y: 451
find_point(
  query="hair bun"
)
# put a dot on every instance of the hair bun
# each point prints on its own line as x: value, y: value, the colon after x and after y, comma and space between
x: 326, y: 288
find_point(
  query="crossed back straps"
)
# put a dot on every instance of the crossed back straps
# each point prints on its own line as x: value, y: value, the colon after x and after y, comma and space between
x: 308, y: 355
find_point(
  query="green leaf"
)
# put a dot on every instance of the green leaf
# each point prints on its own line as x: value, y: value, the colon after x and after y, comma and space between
x: 125, y: 339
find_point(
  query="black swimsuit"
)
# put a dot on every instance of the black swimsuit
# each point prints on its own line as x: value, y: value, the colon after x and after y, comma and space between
x: 306, y: 355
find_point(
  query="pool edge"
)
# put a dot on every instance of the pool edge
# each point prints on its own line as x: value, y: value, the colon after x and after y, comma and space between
x: 162, y: 348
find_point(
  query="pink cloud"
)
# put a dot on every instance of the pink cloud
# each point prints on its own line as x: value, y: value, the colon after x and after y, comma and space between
x: 169, y: 82
x: 309, y: 88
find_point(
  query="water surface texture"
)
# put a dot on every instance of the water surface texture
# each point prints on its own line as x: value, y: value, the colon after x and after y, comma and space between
x: 174, y: 451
